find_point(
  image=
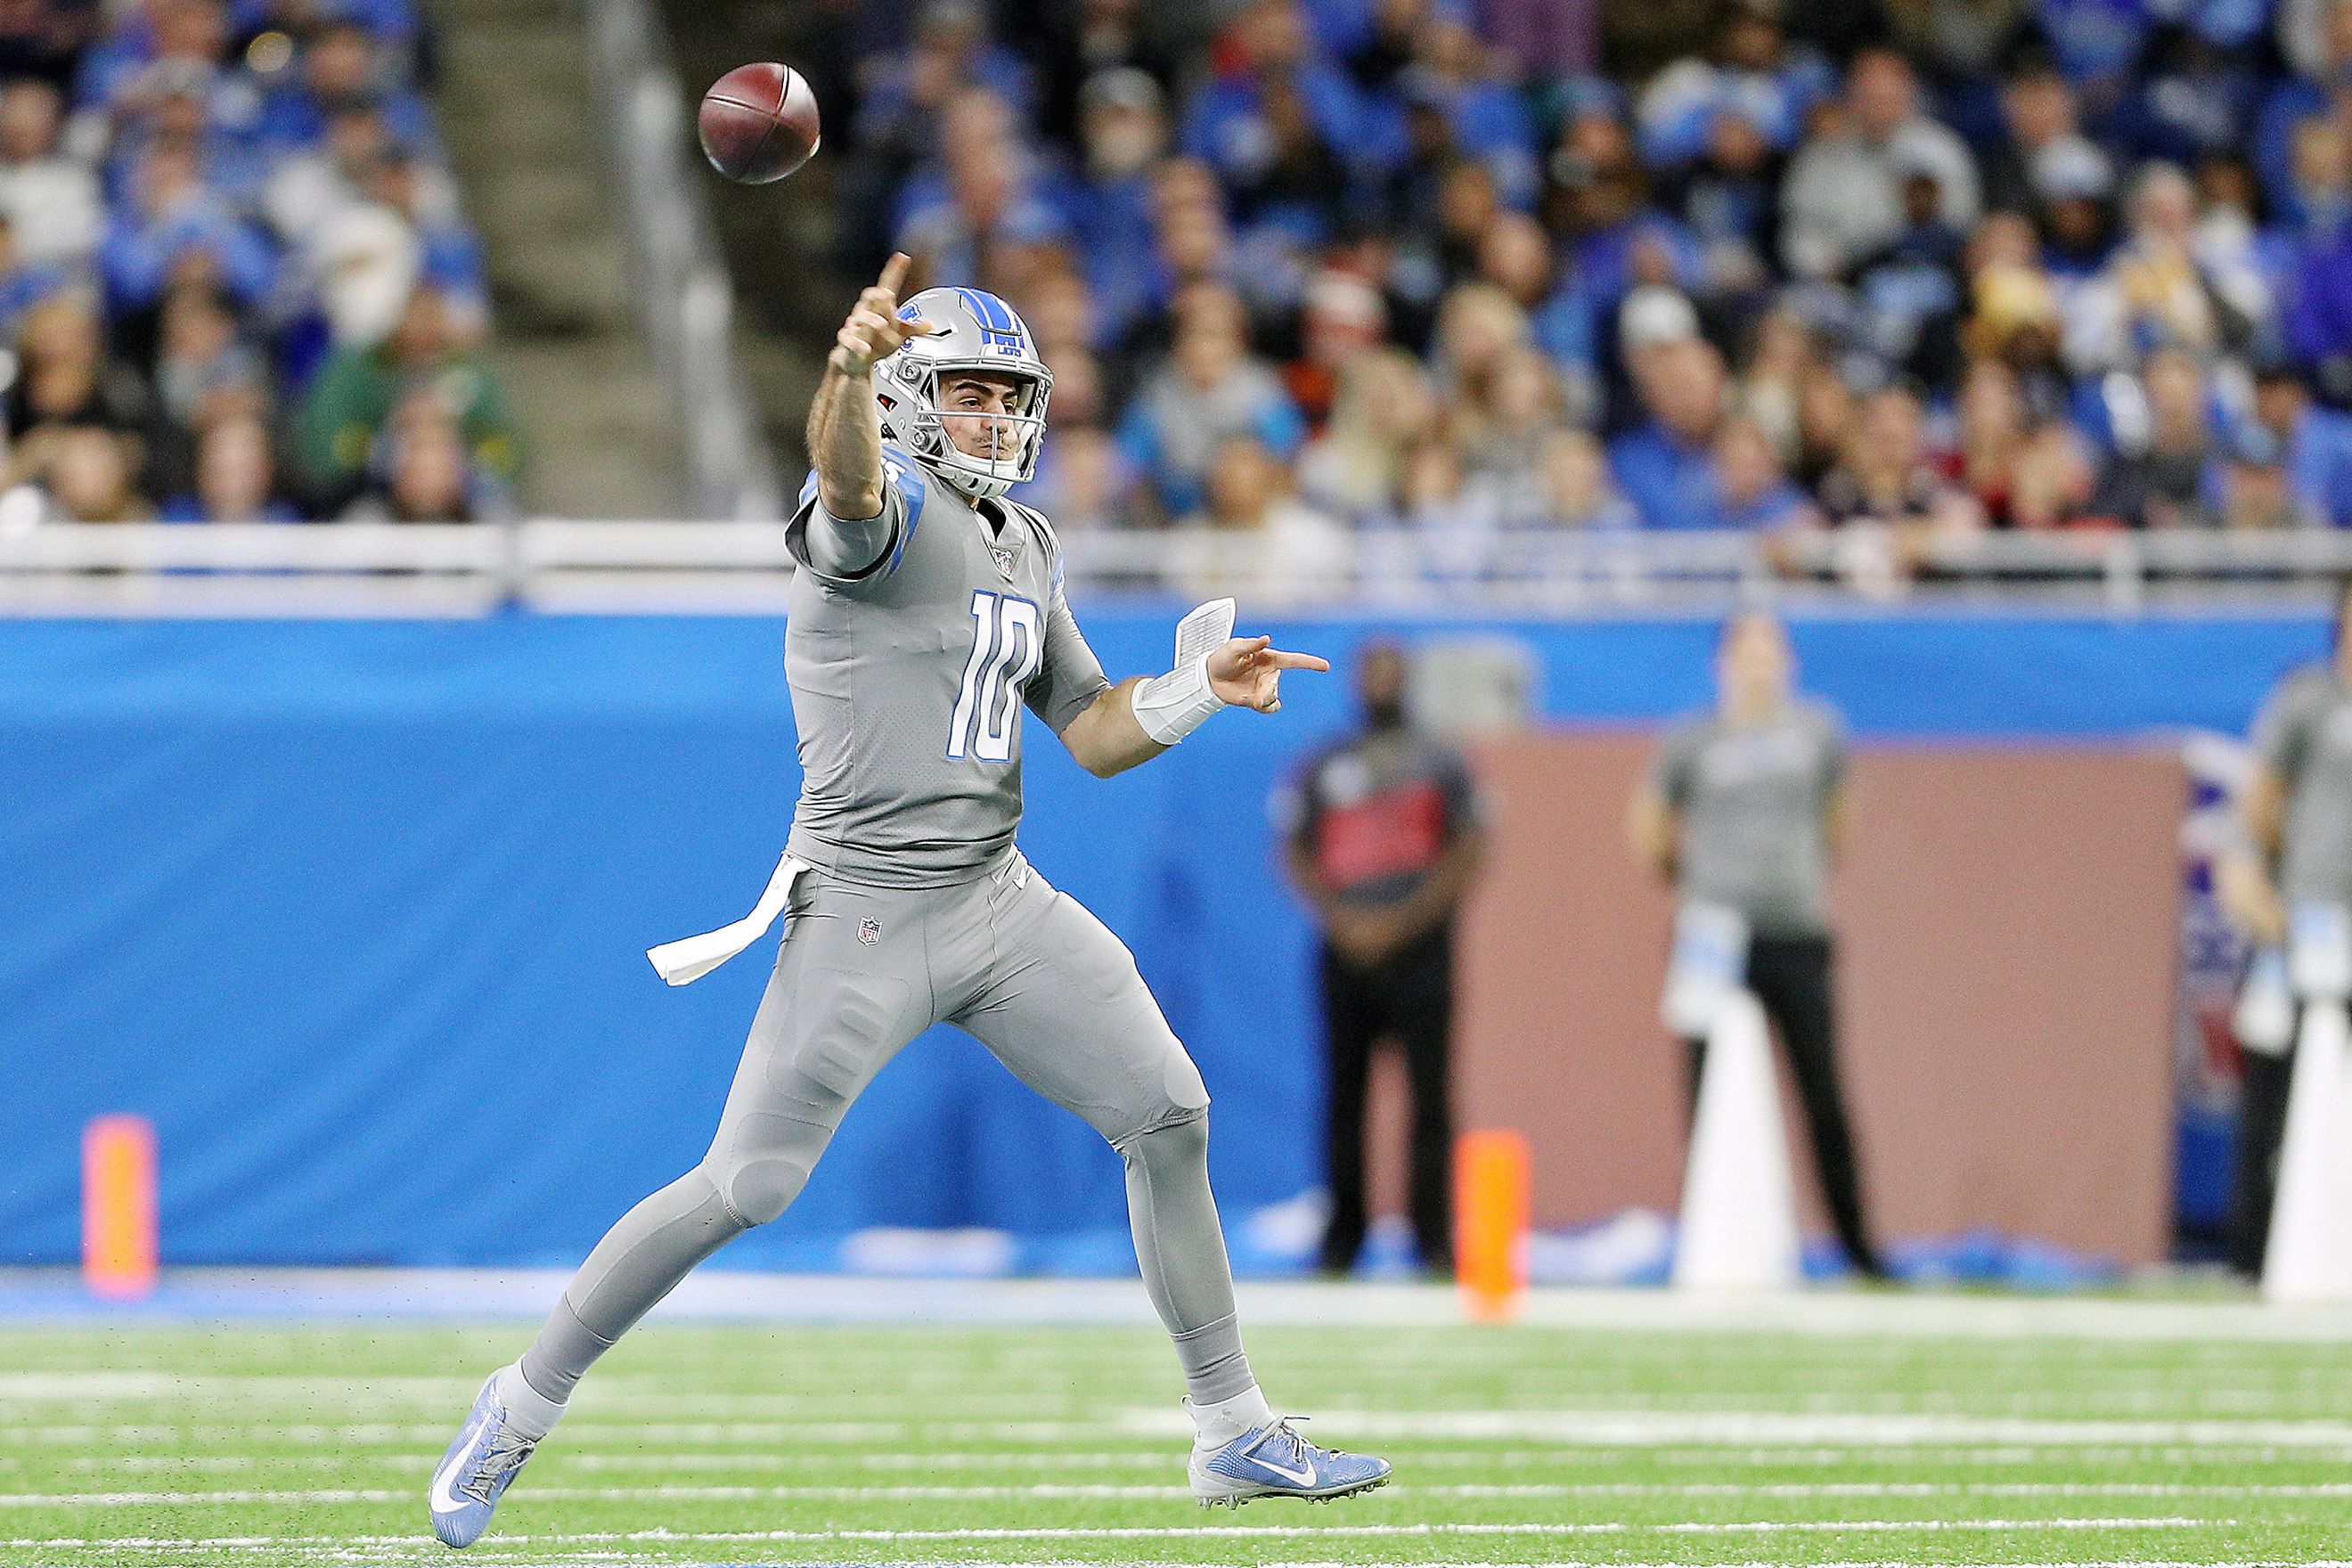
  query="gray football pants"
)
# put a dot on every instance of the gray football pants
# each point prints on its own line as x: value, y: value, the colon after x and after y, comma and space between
x: 862, y: 971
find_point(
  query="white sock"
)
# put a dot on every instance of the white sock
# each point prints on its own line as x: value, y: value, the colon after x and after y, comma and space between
x: 1217, y: 1424
x: 533, y: 1413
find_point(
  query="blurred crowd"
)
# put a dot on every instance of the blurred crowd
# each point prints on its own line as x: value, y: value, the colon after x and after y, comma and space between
x: 1878, y: 273
x: 234, y: 283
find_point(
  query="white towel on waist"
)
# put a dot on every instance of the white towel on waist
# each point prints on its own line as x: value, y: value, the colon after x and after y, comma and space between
x: 692, y: 957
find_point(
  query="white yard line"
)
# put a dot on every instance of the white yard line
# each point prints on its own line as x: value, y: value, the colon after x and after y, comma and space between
x: 567, y: 1457
x: 1159, y: 1532
x: 1571, y: 1429
x: 1082, y: 1492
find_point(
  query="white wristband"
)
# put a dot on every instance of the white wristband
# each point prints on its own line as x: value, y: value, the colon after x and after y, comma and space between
x: 1171, y: 705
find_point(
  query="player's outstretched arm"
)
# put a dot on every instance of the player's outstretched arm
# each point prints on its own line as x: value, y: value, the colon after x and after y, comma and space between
x: 1137, y: 720
x: 845, y: 429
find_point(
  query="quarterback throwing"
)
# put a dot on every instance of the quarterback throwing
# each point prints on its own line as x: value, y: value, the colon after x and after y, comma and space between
x: 927, y: 612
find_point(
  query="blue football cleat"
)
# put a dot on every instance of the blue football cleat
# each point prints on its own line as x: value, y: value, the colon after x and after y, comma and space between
x: 475, y: 1471
x: 1273, y: 1460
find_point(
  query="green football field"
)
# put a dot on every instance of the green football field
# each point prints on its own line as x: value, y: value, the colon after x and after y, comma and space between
x: 287, y: 1445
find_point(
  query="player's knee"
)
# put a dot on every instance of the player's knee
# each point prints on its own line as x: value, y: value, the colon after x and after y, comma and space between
x: 758, y: 1191
x: 1179, y: 1140
x: 761, y: 1159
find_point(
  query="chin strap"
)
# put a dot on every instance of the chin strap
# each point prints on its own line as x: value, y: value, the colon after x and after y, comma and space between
x: 964, y: 482
x: 1171, y: 705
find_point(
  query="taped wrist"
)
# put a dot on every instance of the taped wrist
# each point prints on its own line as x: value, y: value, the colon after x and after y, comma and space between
x: 1171, y: 705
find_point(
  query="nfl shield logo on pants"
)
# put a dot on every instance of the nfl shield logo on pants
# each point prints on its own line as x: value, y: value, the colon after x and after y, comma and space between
x: 869, y: 931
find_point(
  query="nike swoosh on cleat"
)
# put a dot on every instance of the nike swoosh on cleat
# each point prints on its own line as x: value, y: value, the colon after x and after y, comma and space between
x: 443, y: 1499
x: 1305, y: 1477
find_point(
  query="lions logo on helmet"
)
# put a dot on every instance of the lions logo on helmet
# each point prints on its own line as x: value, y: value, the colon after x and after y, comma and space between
x: 978, y: 331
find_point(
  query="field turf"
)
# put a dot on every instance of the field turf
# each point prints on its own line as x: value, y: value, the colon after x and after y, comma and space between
x: 259, y: 1446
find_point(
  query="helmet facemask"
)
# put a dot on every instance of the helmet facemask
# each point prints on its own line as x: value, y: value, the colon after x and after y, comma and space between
x: 911, y: 415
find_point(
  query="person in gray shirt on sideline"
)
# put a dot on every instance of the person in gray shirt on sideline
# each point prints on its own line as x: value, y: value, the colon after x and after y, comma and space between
x: 2296, y: 810
x: 1741, y: 813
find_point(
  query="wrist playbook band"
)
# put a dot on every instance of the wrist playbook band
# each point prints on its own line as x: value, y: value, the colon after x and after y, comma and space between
x: 1171, y: 705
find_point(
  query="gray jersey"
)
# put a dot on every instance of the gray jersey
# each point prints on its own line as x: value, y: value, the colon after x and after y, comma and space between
x: 1752, y: 802
x: 2304, y: 736
x: 909, y: 678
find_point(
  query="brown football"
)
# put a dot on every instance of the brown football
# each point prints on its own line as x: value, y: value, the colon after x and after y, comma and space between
x: 758, y: 123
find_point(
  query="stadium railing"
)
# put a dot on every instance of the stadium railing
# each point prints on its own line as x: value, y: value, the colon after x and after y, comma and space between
x: 470, y: 568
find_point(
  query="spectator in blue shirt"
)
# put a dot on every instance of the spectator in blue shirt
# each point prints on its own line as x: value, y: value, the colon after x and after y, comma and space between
x: 392, y: 22
x: 180, y: 110
x: 341, y: 68
x: 1123, y: 130
x: 173, y: 214
x: 173, y: 78
x: 2194, y: 100
x: 2318, y: 319
x: 1190, y: 240
x: 1753, y: 493
x: 2297, y: 100
x: 951, y: 51
x: 2093, y: 41
x: 1488, y: 119
x: 1666, y: 465
x: 1750, y: 72
x: 988, y: 193
x: 115, y: 67
x: 1227, y: 126
x: 2317, y: 441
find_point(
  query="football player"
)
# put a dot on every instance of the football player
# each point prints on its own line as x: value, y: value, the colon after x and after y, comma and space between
x: 928, y: 611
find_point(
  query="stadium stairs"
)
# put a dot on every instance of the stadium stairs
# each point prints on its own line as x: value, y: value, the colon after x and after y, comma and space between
x: 778, y: 240
x: 565, y: 339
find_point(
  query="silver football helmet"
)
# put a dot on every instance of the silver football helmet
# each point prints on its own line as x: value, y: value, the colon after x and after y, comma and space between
x: 982, y: 333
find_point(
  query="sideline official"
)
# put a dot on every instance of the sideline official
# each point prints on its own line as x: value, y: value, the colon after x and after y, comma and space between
x: 1742, y: 815
x: 1383, y: 836
x: 2291, y: 884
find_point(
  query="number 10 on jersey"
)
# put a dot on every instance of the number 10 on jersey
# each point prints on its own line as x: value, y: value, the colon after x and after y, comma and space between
x: 1007, y: 646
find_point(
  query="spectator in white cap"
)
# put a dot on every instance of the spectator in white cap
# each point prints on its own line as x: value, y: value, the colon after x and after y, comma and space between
x: 1342, y: 318
x: 1666, y: 465
x: 1653, y: 317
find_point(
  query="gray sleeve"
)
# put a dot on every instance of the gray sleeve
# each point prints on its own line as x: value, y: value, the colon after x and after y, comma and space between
x: 2282, y: 738
x: 1833, y: 754
x: 846, y: 550
x: 1071, y: 676
x: 1670, y: 775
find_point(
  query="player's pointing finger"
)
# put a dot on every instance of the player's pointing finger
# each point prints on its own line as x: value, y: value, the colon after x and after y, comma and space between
x: 1282, y: 660
x: 894, y: 272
